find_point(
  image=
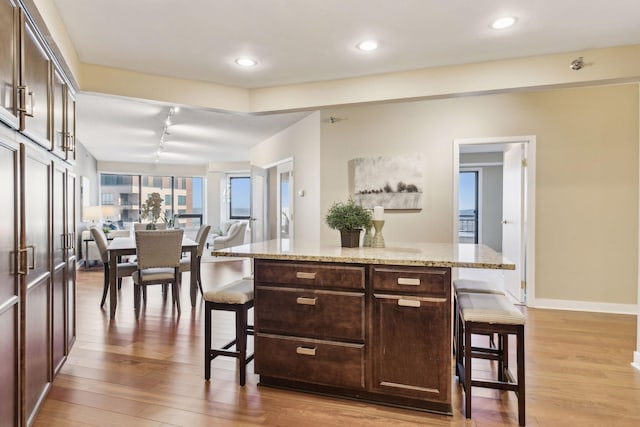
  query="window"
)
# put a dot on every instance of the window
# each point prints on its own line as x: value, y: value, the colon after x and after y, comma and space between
x: 181, y: 183
x: 127, y: 193
x: 239, y: 197
x: 123, y: 193
x: 468, y: 206
x: 109, y: 179
x: 189, y: 191
x: 107, y: 198
x: 160, y: 185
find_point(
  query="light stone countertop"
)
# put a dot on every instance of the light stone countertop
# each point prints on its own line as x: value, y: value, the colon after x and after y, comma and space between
x: 464, y: 255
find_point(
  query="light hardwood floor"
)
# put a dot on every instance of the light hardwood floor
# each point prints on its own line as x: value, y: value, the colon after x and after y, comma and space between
x: 150, y: 373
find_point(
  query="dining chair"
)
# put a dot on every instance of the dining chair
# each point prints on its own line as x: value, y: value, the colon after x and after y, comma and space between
x: 158, y: 253
x: 142, y: 226
x: 124, y: 269
x: 185, y: 263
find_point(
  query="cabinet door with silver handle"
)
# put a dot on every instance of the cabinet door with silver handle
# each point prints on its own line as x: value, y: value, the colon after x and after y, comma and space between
x: 34, y: 88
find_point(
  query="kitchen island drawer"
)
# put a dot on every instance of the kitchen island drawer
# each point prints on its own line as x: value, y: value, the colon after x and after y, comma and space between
x: 310, y: 274
x: 312, y: 361
x: 311, y: 313
x: 414, y: 280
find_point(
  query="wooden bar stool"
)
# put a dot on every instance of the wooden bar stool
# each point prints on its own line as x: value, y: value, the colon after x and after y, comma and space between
x: 476, y: 287
x: 236, y: 297
x: 480, y: 313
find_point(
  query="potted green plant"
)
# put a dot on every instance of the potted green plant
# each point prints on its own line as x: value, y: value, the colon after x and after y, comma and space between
x: 152, y: 209
x: 348, y: 218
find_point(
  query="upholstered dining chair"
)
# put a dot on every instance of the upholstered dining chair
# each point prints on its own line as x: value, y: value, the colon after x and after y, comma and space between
x: 158, y: 253
x: 185, y: 263
x: 142, y: 226
x: 124, y: 268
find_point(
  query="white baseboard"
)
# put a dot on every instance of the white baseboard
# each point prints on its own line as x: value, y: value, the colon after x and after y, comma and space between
x: 636, y: 360
x: 599, y: 307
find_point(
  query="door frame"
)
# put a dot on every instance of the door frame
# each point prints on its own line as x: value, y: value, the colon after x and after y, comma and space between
x: 258, y: 171
x: 281, y: 168
x: 530, y: 206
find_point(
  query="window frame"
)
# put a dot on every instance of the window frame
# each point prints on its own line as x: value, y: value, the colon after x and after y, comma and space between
x: 230, y: 178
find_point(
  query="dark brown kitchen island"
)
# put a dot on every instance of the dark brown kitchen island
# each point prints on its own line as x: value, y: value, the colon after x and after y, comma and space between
x: 371, y: 324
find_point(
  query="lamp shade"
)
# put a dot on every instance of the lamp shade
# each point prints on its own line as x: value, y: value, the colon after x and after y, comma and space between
x: 108, y: 211
x: 91, y: 213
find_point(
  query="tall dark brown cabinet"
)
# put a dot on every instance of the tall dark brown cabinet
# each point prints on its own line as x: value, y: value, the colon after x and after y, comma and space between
x: 10, y: 316
x: 38, y: 211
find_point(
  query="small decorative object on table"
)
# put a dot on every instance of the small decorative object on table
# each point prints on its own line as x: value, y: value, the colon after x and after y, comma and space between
x: 368, y: 237
x: 378, y: 223
x: 349, y: 218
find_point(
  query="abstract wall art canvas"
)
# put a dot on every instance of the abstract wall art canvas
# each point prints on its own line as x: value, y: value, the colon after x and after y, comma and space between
x: 392, y: 182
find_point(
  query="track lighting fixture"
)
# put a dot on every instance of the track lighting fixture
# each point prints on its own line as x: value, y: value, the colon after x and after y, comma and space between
x: 165, y: 132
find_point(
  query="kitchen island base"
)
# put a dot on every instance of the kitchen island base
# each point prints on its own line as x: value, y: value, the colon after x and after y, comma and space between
x: 375, y: 333
x: 386, y: 400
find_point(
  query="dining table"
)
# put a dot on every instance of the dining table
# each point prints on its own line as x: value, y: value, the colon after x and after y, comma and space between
x: 122, y: 246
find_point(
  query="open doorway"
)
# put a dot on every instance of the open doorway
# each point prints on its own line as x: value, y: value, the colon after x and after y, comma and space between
x: 505, y: 206
x: 272, y: 201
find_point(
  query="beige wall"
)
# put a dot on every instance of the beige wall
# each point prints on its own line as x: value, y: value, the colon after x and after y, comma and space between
x: 301, y: 142
x: 87, y: 166
x: 587, y: 176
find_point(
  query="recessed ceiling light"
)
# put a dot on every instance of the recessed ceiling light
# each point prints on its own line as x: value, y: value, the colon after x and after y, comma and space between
x: 246, y: 62
x: 367, y: 45
x: 504, y: 22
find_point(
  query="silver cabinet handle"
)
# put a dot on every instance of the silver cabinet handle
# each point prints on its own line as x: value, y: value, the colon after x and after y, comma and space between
x: 408, y: 303
x: 70, y: 145
x: 24, y: 90
x: 306, y: 301
x: 69, y: 244
x: 408, y: 281
x: 65, y: 141
x: 33, y: 259
x: 306, y: 351
x: 303, y: 275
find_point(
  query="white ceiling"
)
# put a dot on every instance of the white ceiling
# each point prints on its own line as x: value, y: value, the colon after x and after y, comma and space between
x: 125, y: 130
x: 298, y: 41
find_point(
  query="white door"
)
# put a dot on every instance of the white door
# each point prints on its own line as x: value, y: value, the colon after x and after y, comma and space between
x: 259, y: 192
x: 285, y: 200
x: 513, y: 217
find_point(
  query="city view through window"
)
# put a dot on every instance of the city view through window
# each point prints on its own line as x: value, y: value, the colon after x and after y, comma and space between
x: 239, y: 197
x: 468, y: 207
x: 127, y: 193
